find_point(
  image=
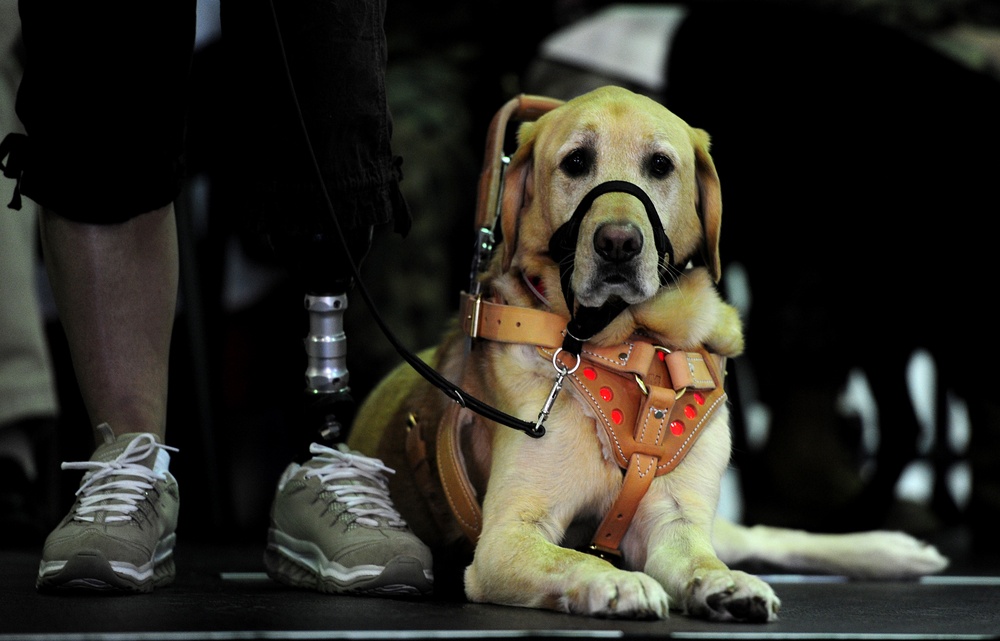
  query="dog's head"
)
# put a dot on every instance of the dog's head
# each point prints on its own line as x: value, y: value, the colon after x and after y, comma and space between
x: 610, y: 134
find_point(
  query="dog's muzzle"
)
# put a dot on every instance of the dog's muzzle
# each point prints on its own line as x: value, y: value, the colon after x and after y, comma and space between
x: 586, y: 322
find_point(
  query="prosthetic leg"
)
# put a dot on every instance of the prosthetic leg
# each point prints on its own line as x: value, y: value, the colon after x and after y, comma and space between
x: 328, y: 393
x: 327, y: 277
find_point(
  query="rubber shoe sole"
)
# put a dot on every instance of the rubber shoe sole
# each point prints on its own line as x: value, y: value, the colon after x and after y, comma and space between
x: 90, y: 571
x: 306, y: 567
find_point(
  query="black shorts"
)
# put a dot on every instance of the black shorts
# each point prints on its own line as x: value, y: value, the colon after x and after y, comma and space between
x: 106, y: 88
x: 102, y: 101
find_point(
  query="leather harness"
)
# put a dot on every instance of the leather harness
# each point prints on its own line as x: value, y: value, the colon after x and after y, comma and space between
x: 653, y: 404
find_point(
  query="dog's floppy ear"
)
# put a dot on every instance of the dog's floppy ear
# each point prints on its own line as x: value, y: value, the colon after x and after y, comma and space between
x: 518, y: 189
x: 709, y: 201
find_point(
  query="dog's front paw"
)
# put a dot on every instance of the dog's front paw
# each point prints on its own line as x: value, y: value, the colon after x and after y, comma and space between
x: 725, y: 595
x: 617, y: 594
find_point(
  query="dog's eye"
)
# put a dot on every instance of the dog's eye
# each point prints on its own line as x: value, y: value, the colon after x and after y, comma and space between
x: 660, y: 166
x: 578, y: 162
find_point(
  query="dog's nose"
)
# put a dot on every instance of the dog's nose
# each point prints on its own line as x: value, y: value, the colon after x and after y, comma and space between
x: 618, y: 242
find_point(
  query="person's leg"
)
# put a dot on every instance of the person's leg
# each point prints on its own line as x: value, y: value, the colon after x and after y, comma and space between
x: 102, y: 156
x: 115, y: 287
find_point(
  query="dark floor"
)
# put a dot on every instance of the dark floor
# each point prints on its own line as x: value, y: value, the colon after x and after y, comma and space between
x: 222, y: 593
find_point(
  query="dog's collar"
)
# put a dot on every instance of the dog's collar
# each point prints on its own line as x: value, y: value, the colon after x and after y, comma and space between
x: 504, y: 323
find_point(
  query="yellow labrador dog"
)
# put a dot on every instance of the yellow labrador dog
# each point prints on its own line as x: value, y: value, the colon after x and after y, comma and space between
x: 610, y: 227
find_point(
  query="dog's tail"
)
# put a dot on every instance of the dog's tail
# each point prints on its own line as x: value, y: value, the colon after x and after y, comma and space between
x: 862, y: 555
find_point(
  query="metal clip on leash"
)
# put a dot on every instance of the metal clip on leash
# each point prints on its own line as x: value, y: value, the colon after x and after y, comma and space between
x: 561, y: 373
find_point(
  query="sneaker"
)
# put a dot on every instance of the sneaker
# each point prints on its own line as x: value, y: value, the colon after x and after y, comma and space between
x: 119, y: 535
x: 334, y: 529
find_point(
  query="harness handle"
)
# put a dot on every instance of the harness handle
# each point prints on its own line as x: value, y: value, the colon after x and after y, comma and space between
x: 523, y: 108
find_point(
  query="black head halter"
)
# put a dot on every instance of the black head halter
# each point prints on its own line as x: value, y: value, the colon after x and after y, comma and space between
x: 586, y: 322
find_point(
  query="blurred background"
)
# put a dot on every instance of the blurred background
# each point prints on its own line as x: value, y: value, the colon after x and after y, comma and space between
x: 857, y: 147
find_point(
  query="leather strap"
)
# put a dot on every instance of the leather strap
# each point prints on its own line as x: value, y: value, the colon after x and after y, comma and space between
x: 641, y: 470
x: 510, y: 324
x: 451, y: 468
x: 639, y: 474
x: 523, y: 107
x: 425, y: 479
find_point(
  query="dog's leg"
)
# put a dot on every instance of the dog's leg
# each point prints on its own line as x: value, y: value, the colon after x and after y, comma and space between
x: 535, y: 490
x: 670, y: 539
x: 859, y: 555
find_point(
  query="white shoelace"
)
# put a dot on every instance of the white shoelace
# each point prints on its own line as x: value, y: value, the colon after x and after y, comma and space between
x: 358, y: 483
x: 116, y: 487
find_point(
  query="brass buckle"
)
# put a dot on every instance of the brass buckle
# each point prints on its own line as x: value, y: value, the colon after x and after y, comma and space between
x: 474, y: 316
x: 614, y: 557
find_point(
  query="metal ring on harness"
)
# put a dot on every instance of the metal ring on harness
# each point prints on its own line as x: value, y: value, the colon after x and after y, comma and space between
x: 560, y: 368
x: 642, y: 384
